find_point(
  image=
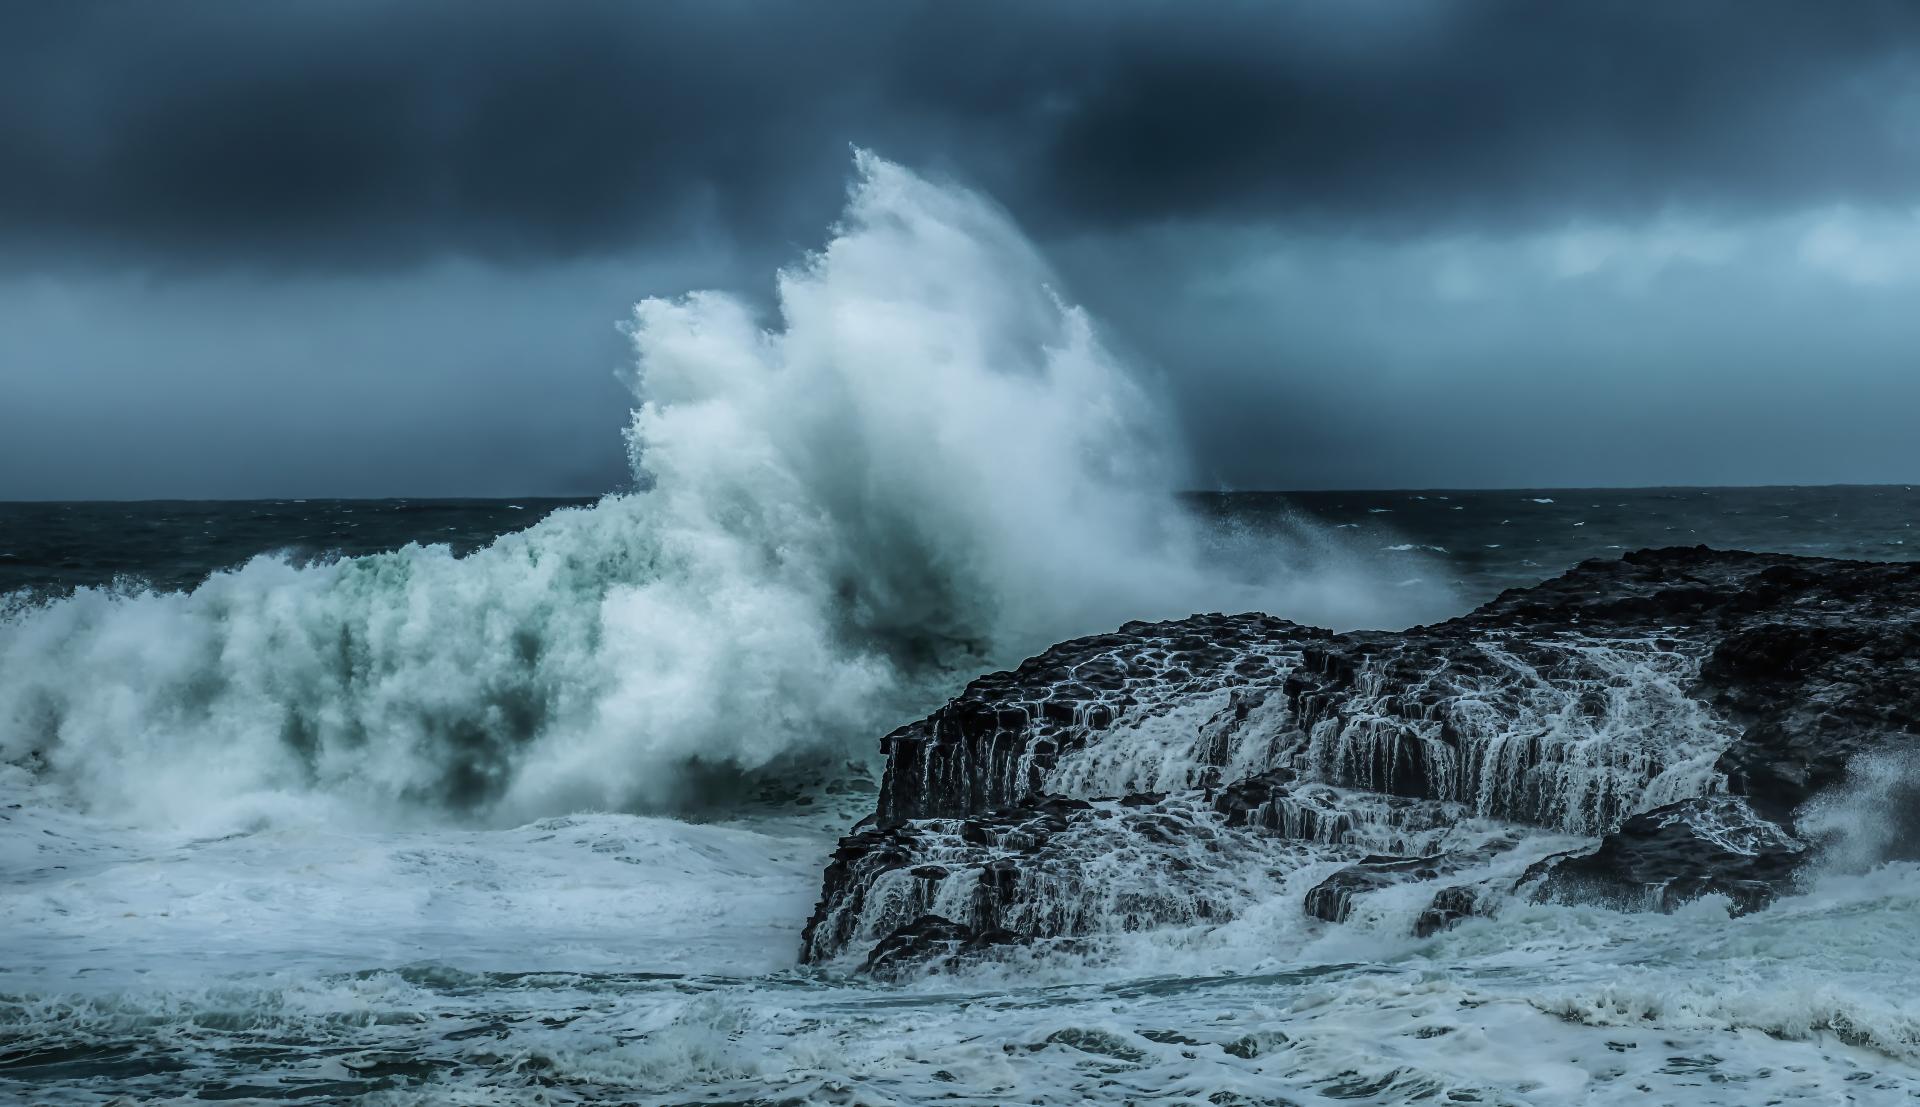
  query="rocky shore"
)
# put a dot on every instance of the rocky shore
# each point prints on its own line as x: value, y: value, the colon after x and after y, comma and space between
x: 1638, y: 732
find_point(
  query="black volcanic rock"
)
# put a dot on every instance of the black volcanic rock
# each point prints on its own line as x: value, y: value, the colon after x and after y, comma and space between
x: 1803, y: 662
x: 929, y: 941
x: 992, y: 745
x: 1675, y: 707
x: 1449, y: 906
x: 1813, y: 692
x: 1660, y: 859
x: 1332, y: 898
x: 1062, y: 868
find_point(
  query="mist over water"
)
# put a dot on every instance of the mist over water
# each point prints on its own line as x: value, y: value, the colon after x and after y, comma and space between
x: 927, y: 465
x: 1871, y: 818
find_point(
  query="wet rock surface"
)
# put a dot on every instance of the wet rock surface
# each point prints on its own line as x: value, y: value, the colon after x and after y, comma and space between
x: 930, y: 941
x: 1449, y: 906
x: 993, y: 745
x: 1332, y: 898
x: 1667, y: 713
x: 1059, y: 869
x: 1660, y: 859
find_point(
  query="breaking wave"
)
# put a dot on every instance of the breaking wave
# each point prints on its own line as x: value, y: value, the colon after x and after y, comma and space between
x: 1872, y: 817
x: 929, y: 464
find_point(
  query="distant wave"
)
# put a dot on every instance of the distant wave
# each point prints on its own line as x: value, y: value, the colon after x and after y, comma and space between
x: 929, y: 465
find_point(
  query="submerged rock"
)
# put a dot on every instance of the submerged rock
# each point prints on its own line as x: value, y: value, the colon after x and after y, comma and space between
x: 1332, y: 898
x: 929, y: 941
x: 1674, y: 708
x: 1449, y: 906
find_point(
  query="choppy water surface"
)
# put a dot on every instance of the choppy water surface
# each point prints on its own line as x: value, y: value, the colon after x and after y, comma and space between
x: 610, y: 957
x: 618, y: 958
x: 54, y: 547
x: 1484, y: 540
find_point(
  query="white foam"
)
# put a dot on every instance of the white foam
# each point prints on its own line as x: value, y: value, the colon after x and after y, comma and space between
x: 86, y: 906
x: 1873, y: 816
x: 928, y: 465
x: 1806, y: 1002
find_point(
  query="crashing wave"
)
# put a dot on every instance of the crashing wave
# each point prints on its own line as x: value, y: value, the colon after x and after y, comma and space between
x: 928, y: 464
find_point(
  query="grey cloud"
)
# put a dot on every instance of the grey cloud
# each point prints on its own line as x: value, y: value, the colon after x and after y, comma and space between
x: 1682, y: 353
x: 1504, y: 113
x: 459, y: 380
x: 348, y: 134
x: 340, y: 247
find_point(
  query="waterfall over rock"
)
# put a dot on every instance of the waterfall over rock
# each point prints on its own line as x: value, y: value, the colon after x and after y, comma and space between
x: 1637, y: 732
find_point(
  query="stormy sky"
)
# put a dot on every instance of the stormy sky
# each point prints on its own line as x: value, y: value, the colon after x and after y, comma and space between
x: 334, y: 247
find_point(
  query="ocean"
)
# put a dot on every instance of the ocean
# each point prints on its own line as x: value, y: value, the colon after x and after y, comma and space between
x: 511, y: 802
x: 267, y: 944
x: 1485, y: 541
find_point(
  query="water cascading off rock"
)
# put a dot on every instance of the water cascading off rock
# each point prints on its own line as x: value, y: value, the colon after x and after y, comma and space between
x: 1660, y: 718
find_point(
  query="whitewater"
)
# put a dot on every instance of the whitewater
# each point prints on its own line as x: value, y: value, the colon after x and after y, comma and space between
x: 542, y: 823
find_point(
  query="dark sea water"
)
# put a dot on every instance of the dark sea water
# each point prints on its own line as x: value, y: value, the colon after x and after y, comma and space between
x: 174, y: 544
x: 1485, y: 541
x: 1507, y: 538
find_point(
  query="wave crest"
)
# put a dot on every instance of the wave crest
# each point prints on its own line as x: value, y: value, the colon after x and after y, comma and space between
x: 929, y: 465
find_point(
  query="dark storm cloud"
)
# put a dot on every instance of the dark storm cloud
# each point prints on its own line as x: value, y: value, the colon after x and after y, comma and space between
x: 358, y: 135
x: 1492, y: 112
x: 1369, y: 242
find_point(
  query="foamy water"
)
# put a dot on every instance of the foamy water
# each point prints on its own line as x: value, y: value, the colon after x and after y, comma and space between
x: 626, y: 957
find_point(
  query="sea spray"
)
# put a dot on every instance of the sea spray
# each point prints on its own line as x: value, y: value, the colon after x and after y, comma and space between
x: 927, y: 465
x: 1872, y: 817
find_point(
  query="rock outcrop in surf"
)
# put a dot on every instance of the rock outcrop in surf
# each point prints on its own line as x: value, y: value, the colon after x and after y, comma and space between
x: 1639, y: 732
